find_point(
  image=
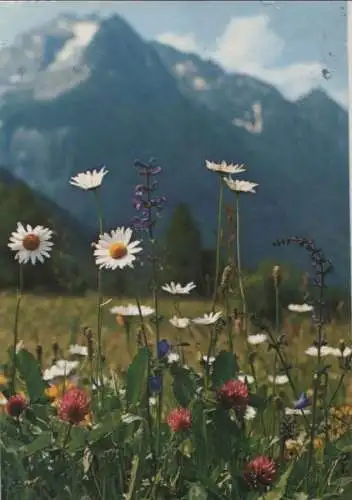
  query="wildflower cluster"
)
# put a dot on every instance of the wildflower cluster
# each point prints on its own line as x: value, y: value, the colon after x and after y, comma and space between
x: 233, y: 426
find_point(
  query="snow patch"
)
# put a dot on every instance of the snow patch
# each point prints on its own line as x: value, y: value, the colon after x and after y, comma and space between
x: 83, y: 32
x: 200, y: 84
x: 254, y: 126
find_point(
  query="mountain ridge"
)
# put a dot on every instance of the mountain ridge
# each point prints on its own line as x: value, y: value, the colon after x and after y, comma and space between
x: 132, y: 104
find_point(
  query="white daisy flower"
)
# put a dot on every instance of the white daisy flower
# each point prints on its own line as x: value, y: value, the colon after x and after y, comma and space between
x: 295, y: 411
x: 177, y: 289
x: 115, y: 250
x: 132, y: 310
x: 300, y: 308
x: 31, y: 244
x: 62, y: 368
x: 91, y: 179
x: 225, y: 168
x: 243, y: 377
x: 279, y: 379
x: 324, y: 350
x: 179, y: 322
x: 210, y: 361
x: 258, y: 338
x: 240, y: 186
x: 207, y: 319
x: 173, y: 357
x: 338, y: 353
x: 78, y: 350
x: 250, y: 413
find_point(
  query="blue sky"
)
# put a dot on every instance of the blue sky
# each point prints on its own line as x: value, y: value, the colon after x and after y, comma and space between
x: 286, y: 43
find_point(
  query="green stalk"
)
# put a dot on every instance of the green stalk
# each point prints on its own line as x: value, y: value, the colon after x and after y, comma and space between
x: 239, y: 268
x: 218, y: 242
x: 277, y: 328
x: 99, y: 310
x: 15, y: 328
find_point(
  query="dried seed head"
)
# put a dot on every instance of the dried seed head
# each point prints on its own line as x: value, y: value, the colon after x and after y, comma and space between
x: 342, y: 345
x: 39, y: 353
x: 279, y: 404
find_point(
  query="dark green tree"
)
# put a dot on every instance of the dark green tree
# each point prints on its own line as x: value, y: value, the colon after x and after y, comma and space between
x: 183, y: 247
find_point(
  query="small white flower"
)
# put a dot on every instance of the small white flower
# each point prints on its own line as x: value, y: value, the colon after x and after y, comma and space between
x: 179, y: 322
x: 153, y: 401
x: 210, y: 361
x: 31, y: 244
x: 294, y: 411
x: 91, y: 179
x: 208, y: 319
x: 177, y: 289
x: 186, y: 367
x: 279, y: 379
x: 240, y: 186
x: 132, y: 310
x: 258, y: 338
x: 62, y: 368
x: 79, y: 350
x: 250, y: 413
x: 324, y: 350
x: 300, y: 308
x: 336, y: 351
x: 225, y: 168
x: 122, y: 392
x: 173, y: 357
x: 243, y: 377
x: 19, y: 346
x: 115, y: 250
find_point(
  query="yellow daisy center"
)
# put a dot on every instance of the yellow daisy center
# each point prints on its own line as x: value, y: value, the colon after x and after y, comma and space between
x: 31, y: 242
x: 118, y: 251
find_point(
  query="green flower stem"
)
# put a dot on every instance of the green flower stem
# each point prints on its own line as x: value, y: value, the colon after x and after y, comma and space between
x: 99, y: 308
x: 15, y: 328
x: 277, y: 329
x: 317, y: 374
x: 218, y: 242
x: 239, y: 268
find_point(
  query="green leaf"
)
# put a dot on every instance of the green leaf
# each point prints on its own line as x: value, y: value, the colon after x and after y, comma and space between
x: 42, y: 442
x: 78, y: 439
x: 137, y: 377
x: 278, y: 492
x: 197, y: 492
x: 225, y: 368
x: 30, y: 372
x: 106, y: 426
x: 184, y: 387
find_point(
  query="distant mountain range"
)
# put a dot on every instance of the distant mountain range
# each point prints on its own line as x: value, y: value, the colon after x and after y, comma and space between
x: 77, y: 93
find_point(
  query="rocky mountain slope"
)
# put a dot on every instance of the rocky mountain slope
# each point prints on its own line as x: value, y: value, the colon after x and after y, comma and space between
x: 78, y: 93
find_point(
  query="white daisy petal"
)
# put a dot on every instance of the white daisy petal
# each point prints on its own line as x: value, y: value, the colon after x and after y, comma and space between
x: 225, y: 168
x: 207, y: 319
x: 240, y: 186
x: 300, y: 308
x: 258, y: 338
x: 279, y: 379
x: 30, y: 244
x: 115, y: 250
x: 132, y: 310
x: 179, y: 322
x: 89, y: 180
x: 177, y: 289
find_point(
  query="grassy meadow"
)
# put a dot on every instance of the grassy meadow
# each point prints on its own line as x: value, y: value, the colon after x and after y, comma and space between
x: 47, y: 319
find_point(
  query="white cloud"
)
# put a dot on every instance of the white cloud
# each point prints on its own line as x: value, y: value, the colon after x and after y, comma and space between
x: 249, y: 45
x: 184, y: 43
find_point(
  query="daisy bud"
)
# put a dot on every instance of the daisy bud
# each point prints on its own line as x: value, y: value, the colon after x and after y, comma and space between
x: 233, y: 394
x: 179, y: 419
x: 260, y: 472
x: 74, y: 406
x: 276, y: 274
x: 15, y: 405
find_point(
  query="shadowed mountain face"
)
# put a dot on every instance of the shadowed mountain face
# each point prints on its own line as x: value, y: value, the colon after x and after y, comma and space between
x: 96, y: 93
